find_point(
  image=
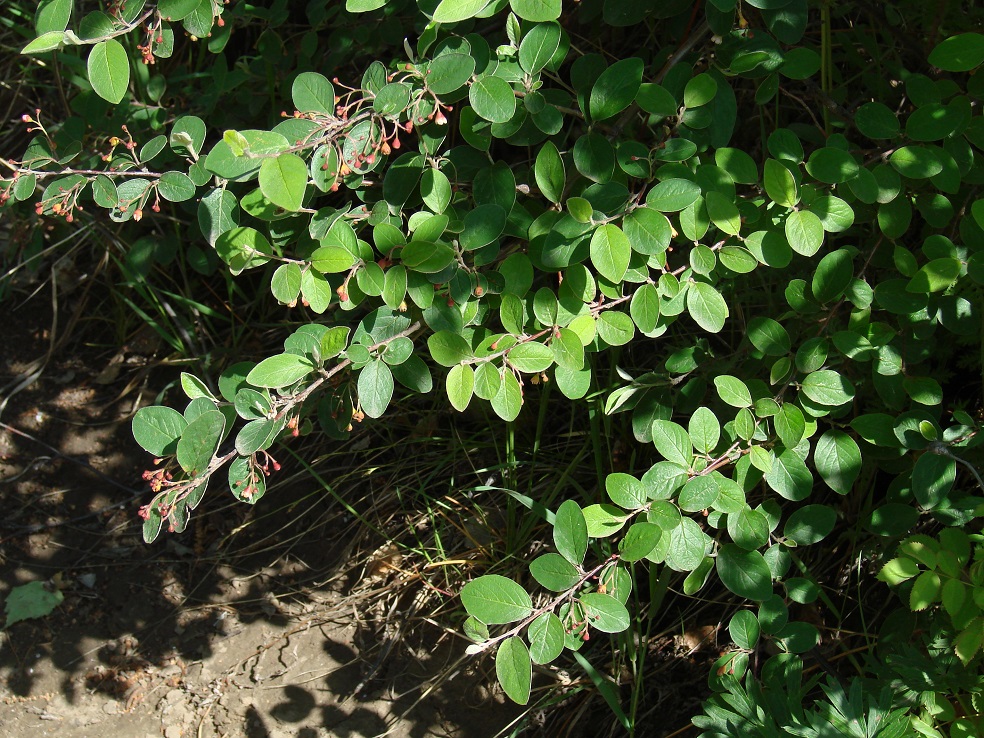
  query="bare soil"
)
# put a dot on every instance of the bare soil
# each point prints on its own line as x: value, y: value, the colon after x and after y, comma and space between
x: 271, y: 621
x: 296, y: 617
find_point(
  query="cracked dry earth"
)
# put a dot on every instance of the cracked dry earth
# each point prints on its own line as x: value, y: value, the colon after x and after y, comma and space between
x: 254, y: 623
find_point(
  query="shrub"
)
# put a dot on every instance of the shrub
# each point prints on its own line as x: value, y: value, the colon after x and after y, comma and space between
x: 774, y: 236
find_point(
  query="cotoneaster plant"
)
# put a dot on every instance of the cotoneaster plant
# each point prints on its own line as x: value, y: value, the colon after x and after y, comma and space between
x: 780, y: 254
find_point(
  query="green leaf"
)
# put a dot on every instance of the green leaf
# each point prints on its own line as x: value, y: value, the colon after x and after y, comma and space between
x: 604, y: 612
x: 789, y: 476
x: 704, y: 430
x: 530, y: 357
x: 673, y: 442
x: 546, y: 635
x: 313, y: 93
x: 733, y: 391
x: 482, y: 225
x: 514, y: 669
x: 199, y: 441
x: 687, y: 546
x: 833, y: 275
x: 176, y: 10
x: 610, y: 252
x: 435, y: 189
x: 452, y: 11
x: 672, y: 195
x: 790, y: 425
x: 615, y: 88
x: 492, y: 98
x: 744, y: 572
x: 804, y: 231
x: 748, y: 528
x: 656, y: 99
x: 218, y: 212
x: 699, y: 90
x: 738, y: 164
x: 810, y: 524
x: 744, y: 629
x: 925, y: 591
x: 538, y: 46
x: 580, y: 209
x: 280, y: 371
x: 639, y: 541
x: 495, y: 600
x: 898, y: 570
x: 723, y: 213
x: 644, y: 308
x: 549, y: 172
x: 283, y: 181
x: 568, y: 351
x: 375, y: 388
x: 594, y: 157
x: 832, y: 165
x: 626, y: 491
x: 780, y: 184
x: 109, y: 70
x: 961, y: 53
x: 243, y: 248
x: 257, y: 436
x: 536, y: 10
x: 31, y: 600
x: 449, y: 72
x: 615, y: 328
x: 194, y: 387
x: 877, y: 121
x: 768, y: 336
x: 916, y: 162
x: 570, y: 532
x: 460, y: 383
x: 932, y: 478
x: 604, y: 520
x: 936, y: 276
x: 554, y: 572
x: 508, y: 401
x: 157, y: 429
x: 838, y: 460
x: 46, y: 42
x: 707, y: 307
x: 286, y: 283
x: 427, y: 257
x: 52, y: 15
x: 698, y: 494
x: 176, y: 187
x: 827, y: 387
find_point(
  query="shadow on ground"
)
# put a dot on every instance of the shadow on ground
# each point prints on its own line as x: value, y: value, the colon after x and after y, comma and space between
x: 312, y: 614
